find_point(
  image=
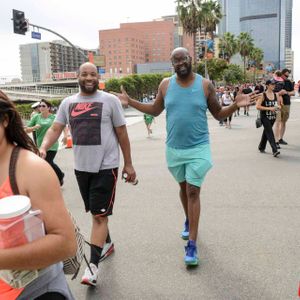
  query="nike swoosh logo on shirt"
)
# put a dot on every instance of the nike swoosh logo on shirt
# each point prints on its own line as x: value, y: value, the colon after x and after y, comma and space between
x: 76, y: 113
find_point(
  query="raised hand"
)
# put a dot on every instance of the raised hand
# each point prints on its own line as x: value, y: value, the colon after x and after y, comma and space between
x: 246, y: 99
x: 123, y: 96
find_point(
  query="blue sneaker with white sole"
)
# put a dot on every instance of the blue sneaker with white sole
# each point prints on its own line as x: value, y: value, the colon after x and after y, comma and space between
x: 185, y: 233
x: 191, y: 257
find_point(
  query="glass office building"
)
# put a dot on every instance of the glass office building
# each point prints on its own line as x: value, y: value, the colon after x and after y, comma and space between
x: 269, y: 22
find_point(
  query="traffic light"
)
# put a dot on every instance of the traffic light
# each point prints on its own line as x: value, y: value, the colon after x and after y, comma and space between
x: 20, y: 24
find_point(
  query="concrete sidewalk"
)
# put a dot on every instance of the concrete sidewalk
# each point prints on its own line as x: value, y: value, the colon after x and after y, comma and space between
x: 249, y: 237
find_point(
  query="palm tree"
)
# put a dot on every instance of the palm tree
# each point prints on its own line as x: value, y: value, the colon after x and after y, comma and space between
x: 228, y: 46
x: 210, y: 15
x: 195, y: 15
x: 256, y: 55
x: 188, y: 13
x: 245, y: 45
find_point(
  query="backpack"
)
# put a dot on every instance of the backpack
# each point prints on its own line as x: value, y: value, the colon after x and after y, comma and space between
x: 71, y: 265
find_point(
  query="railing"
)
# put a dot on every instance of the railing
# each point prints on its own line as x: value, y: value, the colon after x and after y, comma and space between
x: 41, y: 90
x: 38, y: 93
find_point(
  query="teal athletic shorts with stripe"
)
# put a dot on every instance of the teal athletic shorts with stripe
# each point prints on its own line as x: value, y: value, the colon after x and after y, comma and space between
x: 190, y: 165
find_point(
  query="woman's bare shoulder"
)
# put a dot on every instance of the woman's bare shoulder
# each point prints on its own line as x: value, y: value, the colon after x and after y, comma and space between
x: 32, y: 170
x: 28, y: 159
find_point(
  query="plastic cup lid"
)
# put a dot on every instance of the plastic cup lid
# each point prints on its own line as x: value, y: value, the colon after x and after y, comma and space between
x: 14, y: 206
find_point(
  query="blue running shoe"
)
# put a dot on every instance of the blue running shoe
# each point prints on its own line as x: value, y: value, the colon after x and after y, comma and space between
x: 191, y: 258
x: 185, y: 233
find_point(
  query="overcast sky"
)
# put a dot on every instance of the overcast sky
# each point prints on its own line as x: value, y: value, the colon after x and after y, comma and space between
x: 79, y: 21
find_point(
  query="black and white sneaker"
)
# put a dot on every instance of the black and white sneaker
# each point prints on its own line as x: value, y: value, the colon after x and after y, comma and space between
x: 107, y: 250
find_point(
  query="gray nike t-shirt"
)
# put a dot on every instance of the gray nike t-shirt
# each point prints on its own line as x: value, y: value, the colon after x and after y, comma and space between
x: 92, y: 120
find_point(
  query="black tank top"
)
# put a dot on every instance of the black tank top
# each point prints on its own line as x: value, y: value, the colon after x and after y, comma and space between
x: 271, y: 115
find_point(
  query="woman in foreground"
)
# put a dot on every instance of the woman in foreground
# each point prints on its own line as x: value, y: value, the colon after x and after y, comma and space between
x: 36, y: 180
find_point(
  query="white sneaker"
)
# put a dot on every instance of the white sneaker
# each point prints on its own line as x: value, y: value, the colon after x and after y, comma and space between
x: 107, y: 250
x: 90, y: 275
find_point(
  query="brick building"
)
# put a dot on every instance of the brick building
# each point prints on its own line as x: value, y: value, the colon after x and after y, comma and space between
x: 139, y: 43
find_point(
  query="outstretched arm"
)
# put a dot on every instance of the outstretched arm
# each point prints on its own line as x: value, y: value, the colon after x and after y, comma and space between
x: 215, y: 108
x: 153, y: 109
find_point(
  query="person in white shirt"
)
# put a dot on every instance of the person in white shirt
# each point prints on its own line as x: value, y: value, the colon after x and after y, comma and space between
x: 226, y: 101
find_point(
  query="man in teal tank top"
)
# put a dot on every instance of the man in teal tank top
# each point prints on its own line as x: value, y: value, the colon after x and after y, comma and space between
x: 186, y: 96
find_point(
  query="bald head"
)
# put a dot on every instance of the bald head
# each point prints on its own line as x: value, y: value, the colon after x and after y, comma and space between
x: 87, y: 66
x: 181, y: 51
x: 182, y: 63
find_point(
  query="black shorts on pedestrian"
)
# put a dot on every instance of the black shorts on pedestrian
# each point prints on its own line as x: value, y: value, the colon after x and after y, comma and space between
x: 98, y: 190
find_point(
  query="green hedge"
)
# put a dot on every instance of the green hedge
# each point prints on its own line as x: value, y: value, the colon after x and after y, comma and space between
x: 136, y: 85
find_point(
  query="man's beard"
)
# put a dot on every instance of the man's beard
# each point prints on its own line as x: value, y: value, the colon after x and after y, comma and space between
x: 186, y: 73
x: 89, y: 91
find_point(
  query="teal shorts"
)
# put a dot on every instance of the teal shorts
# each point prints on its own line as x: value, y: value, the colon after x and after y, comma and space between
x: 190, y: 165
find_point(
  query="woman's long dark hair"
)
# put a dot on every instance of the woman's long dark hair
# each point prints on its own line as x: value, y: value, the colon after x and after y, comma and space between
x: 14, y: 131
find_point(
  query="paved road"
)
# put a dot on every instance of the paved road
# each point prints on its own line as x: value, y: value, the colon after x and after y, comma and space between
x: 249, y: 236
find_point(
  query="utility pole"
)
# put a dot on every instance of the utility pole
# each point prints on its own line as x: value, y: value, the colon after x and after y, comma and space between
x: 21, y: 27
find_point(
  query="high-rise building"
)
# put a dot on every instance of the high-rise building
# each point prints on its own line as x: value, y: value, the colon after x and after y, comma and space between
x: 269, y: 22
x: 289, y: 60
x: 231, y: 21
x: 50, y: 60
x: 142, y: 43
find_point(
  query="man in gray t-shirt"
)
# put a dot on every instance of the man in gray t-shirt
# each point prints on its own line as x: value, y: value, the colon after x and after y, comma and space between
x: 98, y: 127
x: 92, y: 121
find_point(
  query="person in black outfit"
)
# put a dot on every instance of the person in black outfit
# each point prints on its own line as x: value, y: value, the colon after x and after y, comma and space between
x: 268, y: 106
x: 235, y: 93
x: 259, y: 88
x: 246, y: 90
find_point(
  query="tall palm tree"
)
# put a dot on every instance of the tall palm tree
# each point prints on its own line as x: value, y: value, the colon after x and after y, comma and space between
x: 210, y: 16
x: 228, y: 45
x: 245, y: 45
x: 256, y: 55
x: 196, y: 15
x: 188, y: 13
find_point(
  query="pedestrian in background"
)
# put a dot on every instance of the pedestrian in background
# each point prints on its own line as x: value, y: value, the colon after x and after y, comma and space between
x: 98, y: 128
x: 35, y: 179
x: 246, y: 90
x: 286, y: 92
x: 235, y: 93
x: 148, y: 119
x: 186, y: 96
x: 36, y: 110
x: 39, y: 124
x: 226, y: 101
x: 268, y: 105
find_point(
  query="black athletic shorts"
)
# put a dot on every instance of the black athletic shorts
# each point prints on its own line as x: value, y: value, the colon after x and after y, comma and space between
x: 98, y: 190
